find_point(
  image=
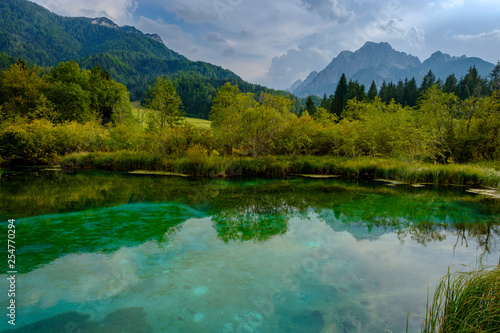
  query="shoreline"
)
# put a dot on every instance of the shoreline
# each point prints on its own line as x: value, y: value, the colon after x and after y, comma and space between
x: 410, y: 172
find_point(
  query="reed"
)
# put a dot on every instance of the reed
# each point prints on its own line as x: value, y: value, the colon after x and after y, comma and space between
x: 199, y: 163
x: 465, y: 302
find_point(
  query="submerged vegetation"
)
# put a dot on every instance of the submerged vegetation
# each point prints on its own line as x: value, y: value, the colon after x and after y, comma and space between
x: 466, y: 302
x: 247, y: 209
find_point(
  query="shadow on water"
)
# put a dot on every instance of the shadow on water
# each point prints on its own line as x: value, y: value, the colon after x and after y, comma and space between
x: 120, y: 321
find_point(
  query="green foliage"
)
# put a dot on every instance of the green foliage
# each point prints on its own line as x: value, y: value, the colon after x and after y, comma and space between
x: 20, y: 89
x: 340, y: 97
x: 372, y: 92
x: 40, y: 142
x: 472, y: 85
x: 163, y: 98
x: 495, y: 77
x: 65, y: 93
x: 428, y: 81
x: 310, y: 107
x: 130, y: 57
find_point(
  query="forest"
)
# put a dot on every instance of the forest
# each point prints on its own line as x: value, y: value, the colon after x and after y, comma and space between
x: 72, y: 116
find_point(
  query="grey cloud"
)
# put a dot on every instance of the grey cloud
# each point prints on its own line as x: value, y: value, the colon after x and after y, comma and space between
x: 229, y: 52
x: 391, y: 26
x: 214, y: 38
x: 314, y: 53
x: 328, y: 10
x: 245, y: 33
x: 196, y: 15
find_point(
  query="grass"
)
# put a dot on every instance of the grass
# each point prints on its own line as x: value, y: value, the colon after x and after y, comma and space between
x: 139, y: 112
x: 282, y: 166
x: 466, y: 302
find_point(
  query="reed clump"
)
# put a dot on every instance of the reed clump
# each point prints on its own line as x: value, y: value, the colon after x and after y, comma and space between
x: 466, y: 302
x: 198, y: 161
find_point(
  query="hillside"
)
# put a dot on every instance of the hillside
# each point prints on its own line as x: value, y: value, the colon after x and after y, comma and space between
x: 380, y: 62
x: 133, y: 58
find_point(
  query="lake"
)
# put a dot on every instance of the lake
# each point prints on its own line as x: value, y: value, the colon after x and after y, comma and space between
x: 114, y: 252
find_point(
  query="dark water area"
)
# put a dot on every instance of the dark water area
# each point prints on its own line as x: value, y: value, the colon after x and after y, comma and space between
x: 114, y: 252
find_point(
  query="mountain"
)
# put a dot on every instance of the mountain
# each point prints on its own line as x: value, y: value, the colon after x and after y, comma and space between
x: 380, y: 62
x: 33, y: 33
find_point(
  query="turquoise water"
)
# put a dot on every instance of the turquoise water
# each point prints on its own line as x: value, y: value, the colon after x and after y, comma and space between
x: 111, y: 252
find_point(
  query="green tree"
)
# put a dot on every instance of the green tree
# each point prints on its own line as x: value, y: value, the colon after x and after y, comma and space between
x: 400, y: 93
x: 340, y: 97
x: 428, y: 81
x: 451, y: 84
x: 472, y: 85
x: 226, y: 112
x: 372, y: 92
x: 436, y: 115
x: 356, y: 90
x: 21, y: 87
x: 324, y: 103
x: 260, y: 127
x: 384, y: 92
x: 163, y: 98
x: 495, y: 77
x: 411, y: 93
x: 310, y: 107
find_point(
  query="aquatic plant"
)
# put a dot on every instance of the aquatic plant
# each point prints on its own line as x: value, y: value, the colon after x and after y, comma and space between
x: 466, y: 302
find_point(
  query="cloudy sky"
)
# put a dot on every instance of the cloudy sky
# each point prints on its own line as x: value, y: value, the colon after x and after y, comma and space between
x: 277, y: 42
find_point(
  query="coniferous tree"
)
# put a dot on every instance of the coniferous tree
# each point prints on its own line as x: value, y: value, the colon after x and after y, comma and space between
x: 411, y: 93
x: 356, y: 90
x: 372, y: 92
x: 428, y: 81
x: 472, y: 85
x: 451, y: 85
x: 340, y: 97
x: 399, y: 93
x: 384, y: 92
x: 310, y: 107
x: 324, y: 103
x: 495, y: 77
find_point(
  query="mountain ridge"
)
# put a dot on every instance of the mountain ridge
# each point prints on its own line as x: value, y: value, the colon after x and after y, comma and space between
x: 380, y: 62
x: 31, y: 32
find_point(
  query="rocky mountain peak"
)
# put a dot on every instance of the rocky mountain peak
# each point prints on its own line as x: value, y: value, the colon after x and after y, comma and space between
x: 105, y: 22
x: 380, y: 62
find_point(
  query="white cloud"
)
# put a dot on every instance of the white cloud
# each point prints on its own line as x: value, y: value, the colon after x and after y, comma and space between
x: 485, y: 36
x: 312, y: 54
x: 119, y: 11
x: 172, y: 35
x: 276, y: 42
x: 449, y: 4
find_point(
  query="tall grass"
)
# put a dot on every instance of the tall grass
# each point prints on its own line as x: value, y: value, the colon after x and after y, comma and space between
x: 197, y: 161
x: 466, y: 302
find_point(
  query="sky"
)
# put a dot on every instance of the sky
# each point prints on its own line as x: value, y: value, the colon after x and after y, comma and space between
x: 275, y: 43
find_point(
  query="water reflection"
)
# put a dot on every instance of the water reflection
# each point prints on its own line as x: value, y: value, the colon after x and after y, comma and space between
x: 95, y: 211
x: 123, y: 320
x: 311, y: 277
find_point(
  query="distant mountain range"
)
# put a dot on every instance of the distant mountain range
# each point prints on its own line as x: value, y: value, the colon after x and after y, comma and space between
x: 380, y: 62
x: 33, y: 33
